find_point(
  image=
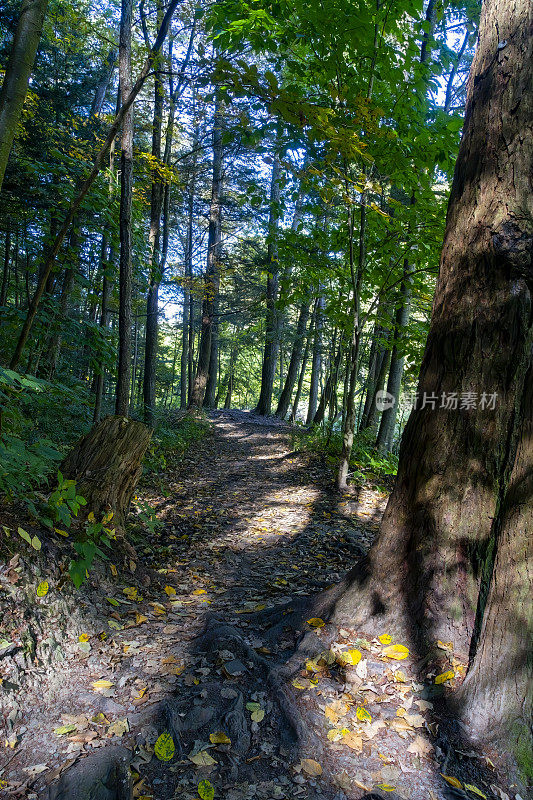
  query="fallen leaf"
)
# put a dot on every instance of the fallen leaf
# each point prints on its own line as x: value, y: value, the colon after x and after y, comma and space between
x: 452, y: 781
x: 102, y: 684
x: 83, y: 637
x: 420, y: 747
x: 42, y: 589
x: 63, y: 730
x: 206, y: 790
x: 386, y: 787
x: 316, y: 622
x: 396, y: 651
x: 203, y: 759
x: 349, y: 658
x: 363, y: 715
x: 118, y: 728
x: 169, y: 590
x: 311, y: 767
x: 35, y: 770
x: 385, y: 638
x: 352, y: 741
x: 445, y: 676
x: 164, y: 747
x: 140, y: 618
x: 475, y: 791
x: 219, y: 738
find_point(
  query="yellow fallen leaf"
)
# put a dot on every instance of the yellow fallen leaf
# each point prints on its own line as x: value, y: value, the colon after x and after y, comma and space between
x: 452, y: 781
x: 219, y: 738
x: 114, y: 570
x: 311, y: 767
x: 396, y: 651
x: 169, y: 590
x: 316, y: 622
x: 164, y: 747
x: 475, y: 791
x: 298, y: 684
x: 142, y: 692
x: 349, y: 658
x: 199, y: 591
x: 386, y: 787
x: 103, y: 684
x: 140, y: 618
x: 63, y: 730
x: 131, y: 592
x: 91, y: 517
x: 363, y: 715
x: 159, y: 610
x: 334, y: 734
x: 445, y: 676
x: 83, y: 637
x: 61, y: 532
x: 385, y: 638
x: 203, y: 759
x: 42, y: 589
x: 445, y: 645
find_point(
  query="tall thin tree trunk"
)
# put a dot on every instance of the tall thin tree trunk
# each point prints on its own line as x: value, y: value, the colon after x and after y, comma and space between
x: 5, y: 274
x: 316, y: 363
x: 86, y: 185
x: 270, y: 352
x: 156, y: 205
x: 388, y: 418
x: 211, y: 283
x: 294, y: 363
x: 18, y: 71
x: 126, y: 190
x: 301, y: 377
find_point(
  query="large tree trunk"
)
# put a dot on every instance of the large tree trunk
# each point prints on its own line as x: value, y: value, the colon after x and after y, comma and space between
x: 18, y: 70
x: 126, y: 191
x: 453, y: 561
x: 106, y: 465
x: 270, y: 353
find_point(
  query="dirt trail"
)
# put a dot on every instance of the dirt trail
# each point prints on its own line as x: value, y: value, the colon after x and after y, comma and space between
x: 248, y: 525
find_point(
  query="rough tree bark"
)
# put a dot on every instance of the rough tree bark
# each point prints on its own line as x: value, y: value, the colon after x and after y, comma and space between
x: 453, y: 561
x: 106, y: 465
x: 126, y: 191
x: 18, y: 70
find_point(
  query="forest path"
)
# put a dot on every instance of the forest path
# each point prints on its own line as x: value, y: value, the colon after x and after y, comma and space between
x: 248, y: 525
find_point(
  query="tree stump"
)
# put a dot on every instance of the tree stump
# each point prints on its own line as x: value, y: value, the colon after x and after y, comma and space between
x: 106, y: 465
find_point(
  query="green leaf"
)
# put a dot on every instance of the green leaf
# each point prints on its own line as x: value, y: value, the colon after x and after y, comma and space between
x: 206, y: 790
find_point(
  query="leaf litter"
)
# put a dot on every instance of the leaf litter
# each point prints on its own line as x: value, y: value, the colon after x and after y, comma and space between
x: 245, y: 529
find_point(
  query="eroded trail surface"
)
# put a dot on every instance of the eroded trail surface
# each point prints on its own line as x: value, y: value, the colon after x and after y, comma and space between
x: 248, y: 526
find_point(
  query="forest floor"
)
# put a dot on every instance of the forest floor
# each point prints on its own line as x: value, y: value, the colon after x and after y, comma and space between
x: 247, y: 525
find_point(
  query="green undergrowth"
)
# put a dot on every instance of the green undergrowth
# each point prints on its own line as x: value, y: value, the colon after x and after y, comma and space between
x: 366, y: 465
x: 174, y: 433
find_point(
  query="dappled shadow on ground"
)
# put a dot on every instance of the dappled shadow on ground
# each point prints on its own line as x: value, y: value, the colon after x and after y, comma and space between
x: 252, y: 532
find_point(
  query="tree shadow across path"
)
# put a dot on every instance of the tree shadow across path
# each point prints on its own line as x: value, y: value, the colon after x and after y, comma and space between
x: 252, y: 531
